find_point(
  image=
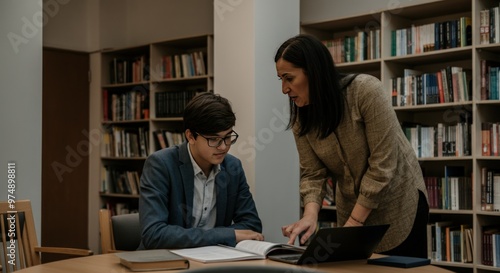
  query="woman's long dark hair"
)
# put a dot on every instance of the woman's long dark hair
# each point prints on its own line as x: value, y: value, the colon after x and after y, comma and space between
x: 326, y: 96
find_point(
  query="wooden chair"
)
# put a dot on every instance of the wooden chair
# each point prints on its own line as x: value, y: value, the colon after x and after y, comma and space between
x: 19, y: 241
x: 119, y: 232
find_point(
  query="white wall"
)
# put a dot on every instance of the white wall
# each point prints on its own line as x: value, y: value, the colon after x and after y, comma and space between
x: 277, y: 165
x: 234, y: 70
x: 323, y: 10
x: 91, y: 25
x: 247, y: 35
x: 21, y: 100
x: 136, y: 22
x: 72, y: 24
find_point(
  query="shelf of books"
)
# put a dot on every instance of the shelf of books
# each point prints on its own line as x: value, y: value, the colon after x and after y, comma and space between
x: 144, y: 91
x: 439, y: 62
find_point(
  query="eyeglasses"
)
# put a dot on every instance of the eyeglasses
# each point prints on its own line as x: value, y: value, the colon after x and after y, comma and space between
x: 217, y: 141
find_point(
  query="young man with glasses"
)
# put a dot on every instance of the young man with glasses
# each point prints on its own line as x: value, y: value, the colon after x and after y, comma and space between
x: 196, y: 194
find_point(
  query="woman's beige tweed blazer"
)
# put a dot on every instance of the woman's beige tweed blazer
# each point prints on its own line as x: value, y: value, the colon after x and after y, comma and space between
x: 372, y: 160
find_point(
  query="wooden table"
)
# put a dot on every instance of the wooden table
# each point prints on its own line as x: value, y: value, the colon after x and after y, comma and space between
x: 110, y: 263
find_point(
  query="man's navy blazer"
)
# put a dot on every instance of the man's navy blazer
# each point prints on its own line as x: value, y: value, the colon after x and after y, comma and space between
x: 166, y: 202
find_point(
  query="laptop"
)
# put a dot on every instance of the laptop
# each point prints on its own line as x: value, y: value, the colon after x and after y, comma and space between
x: 337, y: 244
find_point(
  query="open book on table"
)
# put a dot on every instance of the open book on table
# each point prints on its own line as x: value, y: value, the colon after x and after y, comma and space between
x: 244, y: 250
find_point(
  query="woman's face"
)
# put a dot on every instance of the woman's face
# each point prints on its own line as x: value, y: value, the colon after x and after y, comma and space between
x: 294, y: 82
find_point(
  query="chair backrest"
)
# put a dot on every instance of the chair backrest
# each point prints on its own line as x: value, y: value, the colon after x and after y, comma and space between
x: 119, y: 232
x: 19, y: 244
x: 126, y: 231
x: 18, y: 236
x: 107, y: 245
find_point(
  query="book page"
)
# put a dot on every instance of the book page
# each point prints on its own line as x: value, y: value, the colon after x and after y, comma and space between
x: 263, y: 248
x: 208, y: 254
x: 259, y: 247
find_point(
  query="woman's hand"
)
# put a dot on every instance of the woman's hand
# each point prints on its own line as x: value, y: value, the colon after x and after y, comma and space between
x: 358, y: 216
x: 305, y: 226
x: 352, y: 223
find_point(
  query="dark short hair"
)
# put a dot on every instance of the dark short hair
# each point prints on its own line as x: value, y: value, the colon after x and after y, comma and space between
x: 208, y: 113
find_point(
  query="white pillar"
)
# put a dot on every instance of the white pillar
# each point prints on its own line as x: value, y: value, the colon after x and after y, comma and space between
x: 247, y: 34
x: 21, y: 101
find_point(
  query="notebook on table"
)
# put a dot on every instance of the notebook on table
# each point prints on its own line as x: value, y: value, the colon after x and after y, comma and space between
x: 337, y: 244
x: 400, y: 261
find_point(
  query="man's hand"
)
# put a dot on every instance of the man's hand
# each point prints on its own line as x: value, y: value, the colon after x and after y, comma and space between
x: 246, y: 234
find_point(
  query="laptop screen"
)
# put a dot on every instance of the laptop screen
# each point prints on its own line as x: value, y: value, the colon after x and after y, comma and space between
x: 339, y: 244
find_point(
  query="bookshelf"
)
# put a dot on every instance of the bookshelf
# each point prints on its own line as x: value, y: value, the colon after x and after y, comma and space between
x: 453, y: 124
x: 143, y: 92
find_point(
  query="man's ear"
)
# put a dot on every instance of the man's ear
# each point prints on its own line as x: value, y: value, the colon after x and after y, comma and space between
x: 189, y: 136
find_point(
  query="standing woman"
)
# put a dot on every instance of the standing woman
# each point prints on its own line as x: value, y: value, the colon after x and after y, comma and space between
x: 345, y: 127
